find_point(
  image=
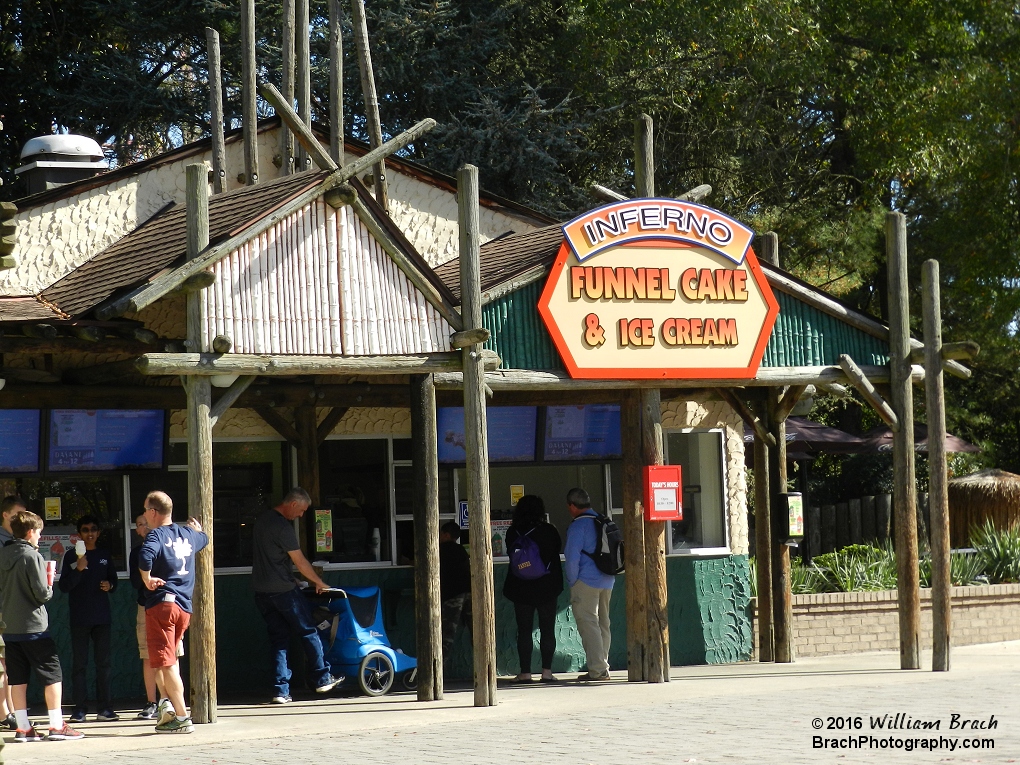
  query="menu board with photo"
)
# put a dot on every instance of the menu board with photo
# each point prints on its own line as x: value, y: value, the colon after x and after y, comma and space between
x: 19, y: 447
x: 510, y: 430
x: 106, y: 439
x: 582, y: 432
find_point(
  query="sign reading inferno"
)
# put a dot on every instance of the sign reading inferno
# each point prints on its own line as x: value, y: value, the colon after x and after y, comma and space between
x: 658, y: 288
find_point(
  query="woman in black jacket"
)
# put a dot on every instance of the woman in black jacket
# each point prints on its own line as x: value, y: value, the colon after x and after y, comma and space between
x: 531, y: 595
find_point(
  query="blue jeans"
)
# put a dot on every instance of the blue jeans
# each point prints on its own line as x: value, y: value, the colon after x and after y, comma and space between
x: 286, y: 614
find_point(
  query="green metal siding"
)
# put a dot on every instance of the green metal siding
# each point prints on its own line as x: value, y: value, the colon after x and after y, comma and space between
x: 804, y: 336
x: 518, y: 333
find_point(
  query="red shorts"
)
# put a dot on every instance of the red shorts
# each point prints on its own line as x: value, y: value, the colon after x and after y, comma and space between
x: 165, y: 625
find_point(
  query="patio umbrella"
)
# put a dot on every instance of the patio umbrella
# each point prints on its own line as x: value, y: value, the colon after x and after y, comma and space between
x: 807, y: 438
x: 880, y: 440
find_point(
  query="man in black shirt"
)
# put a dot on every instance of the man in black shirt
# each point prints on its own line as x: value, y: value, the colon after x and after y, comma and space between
x: 454, y: 586
x: 278, y: 597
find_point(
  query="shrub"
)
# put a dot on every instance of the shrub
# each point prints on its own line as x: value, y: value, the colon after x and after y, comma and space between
x: 999, y: 551
x: 857, y: 568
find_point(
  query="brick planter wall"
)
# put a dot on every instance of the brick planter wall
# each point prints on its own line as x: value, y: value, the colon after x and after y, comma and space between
x: 853, y: 622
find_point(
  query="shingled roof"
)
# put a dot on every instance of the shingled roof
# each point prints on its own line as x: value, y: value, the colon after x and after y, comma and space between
x: 161, y: 242
x: 508, y: 256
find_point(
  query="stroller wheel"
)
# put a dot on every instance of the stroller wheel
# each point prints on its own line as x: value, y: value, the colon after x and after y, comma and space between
x: 410, y: 679
x: 375, y: 676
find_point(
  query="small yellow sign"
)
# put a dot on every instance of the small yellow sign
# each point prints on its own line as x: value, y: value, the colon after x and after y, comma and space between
x: 516, y: 492
x: 52, y: 505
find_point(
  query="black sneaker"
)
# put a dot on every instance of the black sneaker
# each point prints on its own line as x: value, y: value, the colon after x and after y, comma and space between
x: 11, y: 722
x: 148, y: 711
x: 78, y: 716
x: 107, y: 715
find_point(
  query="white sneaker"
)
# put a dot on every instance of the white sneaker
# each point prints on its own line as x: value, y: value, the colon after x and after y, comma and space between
x: 164, y: 712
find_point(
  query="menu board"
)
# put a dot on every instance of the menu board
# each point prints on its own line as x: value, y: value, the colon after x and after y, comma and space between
x: 19, y: 440
x: 582, y: 432
x: 106, y: 439
x: 510, y: 429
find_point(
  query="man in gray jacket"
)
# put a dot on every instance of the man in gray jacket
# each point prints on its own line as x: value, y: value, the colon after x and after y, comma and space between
x: 26, y: 589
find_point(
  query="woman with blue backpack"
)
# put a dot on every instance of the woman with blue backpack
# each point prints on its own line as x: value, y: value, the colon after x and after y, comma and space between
x: 534, y: 582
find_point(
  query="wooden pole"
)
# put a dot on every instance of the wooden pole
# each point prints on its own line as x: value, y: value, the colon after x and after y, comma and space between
x: 904, y: 486
x: 200, y: 469
x: 770, y: 248
x: 655, y: 547
x: 657, y: 650
x: 763, y: 542
x: 476, y: 443
x: 286, y: 136
x: 427, y: 600
x: 782, y: 599
x: 938, y: 488
x: 634, y: 537
x: 219, y: 150
x: 371, y: 99
x: 249, y: 113
x: 304, y: 76
x: 336, y: 82
x: 308, y: 454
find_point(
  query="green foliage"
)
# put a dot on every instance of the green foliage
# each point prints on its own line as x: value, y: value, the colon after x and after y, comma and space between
x: 965, y: 570
x: 999, y: 551
x: 857, y: 568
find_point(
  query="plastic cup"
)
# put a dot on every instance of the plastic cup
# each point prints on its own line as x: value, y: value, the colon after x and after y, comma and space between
x: 51, y: 571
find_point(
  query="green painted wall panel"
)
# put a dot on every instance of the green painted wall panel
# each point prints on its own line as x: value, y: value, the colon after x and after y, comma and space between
x: 708, y: 613
x: 518, y: 333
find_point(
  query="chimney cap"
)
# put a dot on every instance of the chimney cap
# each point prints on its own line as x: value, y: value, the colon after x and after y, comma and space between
x: 74, y: 147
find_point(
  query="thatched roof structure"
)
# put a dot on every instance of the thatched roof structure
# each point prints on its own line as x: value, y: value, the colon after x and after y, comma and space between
x: 988, y: 495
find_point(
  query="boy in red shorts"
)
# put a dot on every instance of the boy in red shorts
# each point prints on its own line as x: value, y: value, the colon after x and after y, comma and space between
x: 166, y: 562
x: 26, y: 590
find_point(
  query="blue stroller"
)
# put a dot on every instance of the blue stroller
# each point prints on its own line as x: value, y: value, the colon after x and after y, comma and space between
x: 354, y: 642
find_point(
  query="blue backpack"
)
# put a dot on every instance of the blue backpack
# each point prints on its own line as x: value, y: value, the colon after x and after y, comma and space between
x: 525, y: 559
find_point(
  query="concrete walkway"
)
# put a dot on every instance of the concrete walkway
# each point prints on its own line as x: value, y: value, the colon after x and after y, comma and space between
x: 743, y: 713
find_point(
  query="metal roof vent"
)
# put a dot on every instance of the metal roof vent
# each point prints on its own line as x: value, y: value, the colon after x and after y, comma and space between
x: 55, y: 160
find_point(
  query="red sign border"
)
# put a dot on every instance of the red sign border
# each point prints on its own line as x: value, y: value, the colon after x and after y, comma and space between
x: 673, y: 373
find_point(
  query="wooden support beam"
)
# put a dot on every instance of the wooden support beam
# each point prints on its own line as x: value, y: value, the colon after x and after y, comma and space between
x: 770, y: 248
x: 39, y: 331
x: 196, y: 283
x: 336, y: 82
x: 966, y: 349
x: 861, y: 382
x: 634, y: 537
x: 140, y: 335
x: 330, y: 421
x: 938, y: 477
x: 782, y: 598
x: 644, y: 157
x: 89, y: 334
x: 607, y: 194
x: 112, y: 371
x: 371, y: 99
x: 229, y: 398
x: 219, y: 148
x: 696, y: 194
x: 460, y: 340
x: 222, y: 344
x: 763, y: 539
x: 152, y: 291
x: 477, y: 445
x: 249, y: 112
x: 788, y: 401
x: 303, y: 75
x: 308, y: 451
x: 407, y: 266
x: 904, y: 484
x: 655, y: 547
x: 60, y: 344
x: 287, y: 166
x: 425, y: 509
x: 752, y: 420
x: 301, y: 131
x: 252, y: 364
x: 279, y: 423
x: 837, y: 390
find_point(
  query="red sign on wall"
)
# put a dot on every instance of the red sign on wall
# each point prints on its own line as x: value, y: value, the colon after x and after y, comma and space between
x: 663, y: 493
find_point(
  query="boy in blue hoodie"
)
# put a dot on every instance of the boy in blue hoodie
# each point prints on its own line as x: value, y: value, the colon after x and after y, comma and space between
x: 26, y: 591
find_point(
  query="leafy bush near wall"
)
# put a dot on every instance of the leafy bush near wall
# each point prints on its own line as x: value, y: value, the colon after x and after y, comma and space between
x: 999, y: 551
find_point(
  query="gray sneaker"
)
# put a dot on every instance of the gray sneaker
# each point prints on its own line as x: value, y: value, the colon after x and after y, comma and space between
x: 176, y: 726
x: 164, y: 712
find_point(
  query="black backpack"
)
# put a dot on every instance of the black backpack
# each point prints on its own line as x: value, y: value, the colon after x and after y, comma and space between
x: 608, y: 553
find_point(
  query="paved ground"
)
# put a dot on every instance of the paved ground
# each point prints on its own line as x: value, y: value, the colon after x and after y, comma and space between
x: 749, y: 713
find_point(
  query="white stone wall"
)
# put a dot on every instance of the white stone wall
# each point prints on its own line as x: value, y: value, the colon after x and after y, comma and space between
x: 702, y: 412
x: 57, y: 237
x: 245, y: 423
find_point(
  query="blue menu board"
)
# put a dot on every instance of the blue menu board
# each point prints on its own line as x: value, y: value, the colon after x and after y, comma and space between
x: 19, y: 440
x: 510, y: 429
x: 582, y: 432
x: 105, y: 439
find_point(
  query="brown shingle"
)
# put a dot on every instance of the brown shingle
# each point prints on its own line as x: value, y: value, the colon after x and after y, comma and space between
x: 161, y: 242
x: 26, y: 308
x: 504, y: 258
